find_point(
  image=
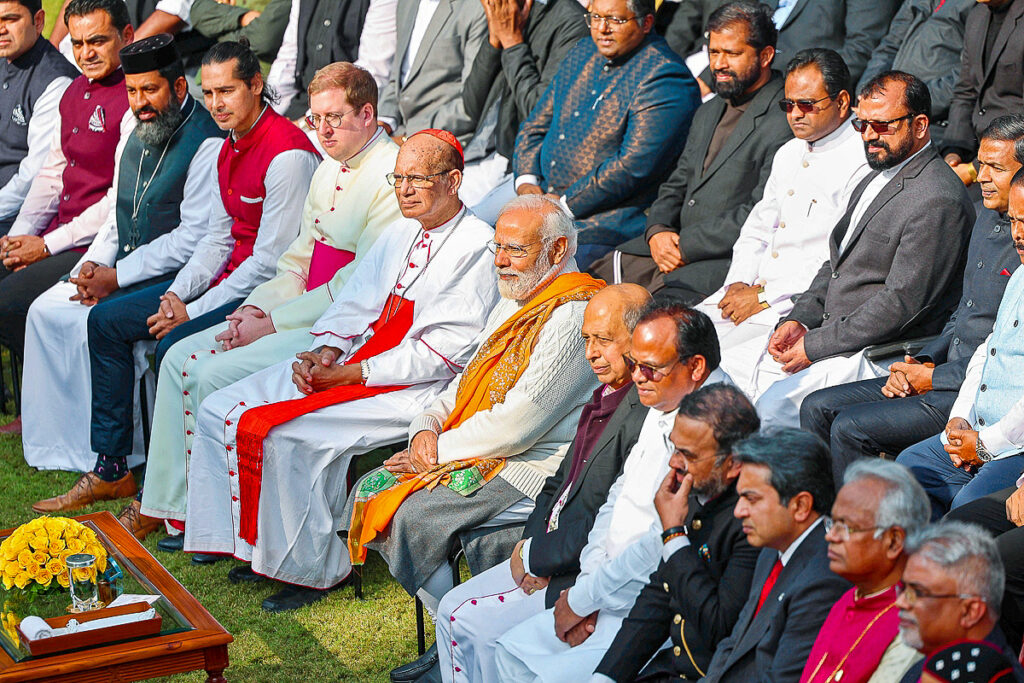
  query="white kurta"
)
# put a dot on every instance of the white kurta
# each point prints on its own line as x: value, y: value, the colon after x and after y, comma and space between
x: 448, y: 273
x: 56, y: 399
x: 622, y: 550
x: 197, y: 366
x: 784, y: 241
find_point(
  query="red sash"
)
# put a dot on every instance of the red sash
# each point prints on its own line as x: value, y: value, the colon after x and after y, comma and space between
x: 256, y: 423
x: 324, y: 263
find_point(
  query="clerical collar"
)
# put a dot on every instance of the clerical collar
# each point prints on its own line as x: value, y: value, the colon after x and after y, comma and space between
x: 860, y: 599
x: 357, y: 158
x: 788, y: 553
x: 832, y: 140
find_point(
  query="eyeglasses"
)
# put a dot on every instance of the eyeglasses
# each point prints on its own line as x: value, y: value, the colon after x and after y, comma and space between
x: 843, y: 530
x: 880, y: 127
x: 596, y: 20
x: 333, y: 119
x: 911, y: 594
x: 513, y: 251
x: 650, y: 372
x: 806, y: 106
x: 691, y: 458
x: 417, y: 181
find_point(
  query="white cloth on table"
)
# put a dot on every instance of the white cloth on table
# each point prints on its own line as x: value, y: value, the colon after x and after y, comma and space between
x: 305, y: 461
x: 45, y: 117
x: 43, y: 199
x: 56, y: 404
x: 622, y: 550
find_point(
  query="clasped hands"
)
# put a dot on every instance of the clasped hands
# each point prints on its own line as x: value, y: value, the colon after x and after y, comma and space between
x: 245, y: 325
x: 909, y: 378
x: 529, y: 583
x: 319, y: 370
x: 787, y: 347
x: 94, y: 282
x: 962, y: 444
x: 420, y: 456
x: 739, y: 301
x: 506, y: 21
x: 171, y: 314
x: 570, y: 627
x: 18, y: 251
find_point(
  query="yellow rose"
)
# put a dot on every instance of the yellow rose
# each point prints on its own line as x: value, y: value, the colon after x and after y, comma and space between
x: 88, y: 535
x: 40, y: 557
x: 11, y: 569
x: 23, y: 579
x: 83, y: 574
x: 76, y: 545
x: 34, y: 525
x: 63, y: 579
x: 20, y: 542
x: 39, y: 542
x: 43, y: 577
x: 32, y: 569
x: 56, y: 547
x: 8, y: 582
x: 54, y: 527
x: 25, y: 558
x: 8, y: 550
x: 55, y: 566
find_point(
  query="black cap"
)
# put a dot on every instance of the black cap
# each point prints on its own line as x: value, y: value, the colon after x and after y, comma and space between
x: 149, y: 54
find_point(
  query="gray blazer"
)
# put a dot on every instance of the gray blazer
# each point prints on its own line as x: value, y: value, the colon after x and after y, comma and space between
x: 772, y: 645
x: 900, y: 275
x: 432, y: 94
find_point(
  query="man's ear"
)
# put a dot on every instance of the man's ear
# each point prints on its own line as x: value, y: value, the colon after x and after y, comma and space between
x: 180, y: 88
x: 801, y: 506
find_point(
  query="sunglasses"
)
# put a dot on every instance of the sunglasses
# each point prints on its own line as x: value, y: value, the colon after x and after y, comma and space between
x: 649, y: 372
x: 880, y: 127
x: 806, y: 106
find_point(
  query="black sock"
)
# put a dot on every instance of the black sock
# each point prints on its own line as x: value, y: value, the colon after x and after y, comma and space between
x: 111, y: 467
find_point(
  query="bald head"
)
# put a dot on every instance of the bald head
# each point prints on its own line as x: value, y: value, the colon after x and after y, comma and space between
x: 438, y: 153
x: 608, y: 323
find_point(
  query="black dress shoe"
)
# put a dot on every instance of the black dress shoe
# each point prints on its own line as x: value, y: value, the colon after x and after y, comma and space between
x: 433, y: 675
x: 408, y: 673
x: 244, y: 574
x: 207, y: 558
x: 172, y: 544
x: 293, y: 597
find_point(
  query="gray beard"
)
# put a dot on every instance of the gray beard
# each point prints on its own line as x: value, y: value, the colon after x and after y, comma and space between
x: 157, y: 132
x: 519, y: 288
x: 712, y: 488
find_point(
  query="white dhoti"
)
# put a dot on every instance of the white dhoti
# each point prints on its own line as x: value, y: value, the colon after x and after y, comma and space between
x: 779, y: 404
x: 193, y: 369
x: 530, y: 651
x: 742, y: 345
x: 305, y: 463
x: 473, y: 615
x: 56, y: 396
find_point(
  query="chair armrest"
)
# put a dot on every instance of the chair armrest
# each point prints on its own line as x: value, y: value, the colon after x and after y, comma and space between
x: 903, y: 347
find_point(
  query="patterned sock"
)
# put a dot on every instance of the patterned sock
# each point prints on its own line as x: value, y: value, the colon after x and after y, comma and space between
x: 111, y: 467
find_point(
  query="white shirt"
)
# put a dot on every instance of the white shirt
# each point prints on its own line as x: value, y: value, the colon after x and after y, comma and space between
x: 624, y: 546
x: 785, y: 238
x: 873, y: 189
x: 172, y: 250
x: 179, y: 8
x: 287, y: 182
x: 787, y: 554
x: 43, y: 199
x: 424, y: 13
x: 376, y: 49
x: 45, y: 117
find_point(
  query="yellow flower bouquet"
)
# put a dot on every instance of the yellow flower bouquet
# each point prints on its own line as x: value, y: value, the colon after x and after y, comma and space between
x: 33, y: 559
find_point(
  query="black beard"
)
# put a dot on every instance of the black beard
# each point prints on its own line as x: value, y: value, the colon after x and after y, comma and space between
x: 731, y: 90
x: 713, y: 487
x: 156, y: 132
x: 893, y: 158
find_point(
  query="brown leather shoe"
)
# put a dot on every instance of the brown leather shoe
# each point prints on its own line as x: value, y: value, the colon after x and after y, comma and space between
x: 87, y: 490
x: 12, y: 427
x: 140, y: 525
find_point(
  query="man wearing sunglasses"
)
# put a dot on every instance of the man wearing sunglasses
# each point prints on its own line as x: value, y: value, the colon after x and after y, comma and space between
x: 785, y: 237
x: 895, y: 257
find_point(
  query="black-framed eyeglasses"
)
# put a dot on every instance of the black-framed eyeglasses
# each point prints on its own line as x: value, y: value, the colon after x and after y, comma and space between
x: 417, y: 181
x: 911, y: 594
x: 843, y: 530
x: 649, y: 372
x: 513, y: 251
x: 596, y: 20
x: 806, y: 106
x: 333, y: 119
x: 880, y: 127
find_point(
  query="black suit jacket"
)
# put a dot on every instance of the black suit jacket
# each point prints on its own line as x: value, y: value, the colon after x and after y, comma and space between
x: 503, y: 85
x: 995, y: 637
x: 694, y: 598
x: 773, y: 646
x: 988, y: 87
x: 900, y: 275
x: 556, y: 554
x: 708, y: 209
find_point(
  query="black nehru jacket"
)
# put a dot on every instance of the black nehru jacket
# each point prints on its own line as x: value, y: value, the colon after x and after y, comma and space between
x: 694, y: 598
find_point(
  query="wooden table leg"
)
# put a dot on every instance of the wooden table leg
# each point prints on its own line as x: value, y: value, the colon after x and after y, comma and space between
x: 215, y: 676
x: 216, y: 662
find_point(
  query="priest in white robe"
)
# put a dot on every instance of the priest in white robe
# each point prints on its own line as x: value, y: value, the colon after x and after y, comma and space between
x: 404, y: 324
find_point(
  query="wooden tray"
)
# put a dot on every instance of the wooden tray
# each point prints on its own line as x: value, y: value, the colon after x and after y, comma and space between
x: 74, y: 641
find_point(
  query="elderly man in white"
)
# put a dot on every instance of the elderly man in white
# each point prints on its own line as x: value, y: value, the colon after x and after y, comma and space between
x: 785, y: 238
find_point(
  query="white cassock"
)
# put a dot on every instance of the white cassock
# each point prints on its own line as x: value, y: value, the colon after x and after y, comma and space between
x: 487, y: 643
x: 449, y: 275
x: 783, y: 243
x: 56, y: 397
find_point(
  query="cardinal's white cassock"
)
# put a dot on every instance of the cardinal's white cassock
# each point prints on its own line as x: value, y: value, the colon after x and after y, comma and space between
x: 447, y: 276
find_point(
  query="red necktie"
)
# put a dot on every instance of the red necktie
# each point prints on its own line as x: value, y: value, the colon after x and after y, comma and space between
x: 769, y: 583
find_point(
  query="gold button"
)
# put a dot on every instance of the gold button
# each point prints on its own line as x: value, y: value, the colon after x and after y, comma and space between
x: 806, y: 164
x: 782, y: 224
x: 677, y: 650
x: 665, y: 586
x: 697, y: 524
x: 677, y: 619
x: 775, y: 254
x: 790, y: 193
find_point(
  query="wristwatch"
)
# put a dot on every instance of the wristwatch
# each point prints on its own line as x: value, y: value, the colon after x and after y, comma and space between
x: 673, y: 532
x: 983, y: 453
x: 761, y: 298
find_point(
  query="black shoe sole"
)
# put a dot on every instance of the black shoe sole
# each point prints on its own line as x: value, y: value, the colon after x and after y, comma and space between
x: 312, y: 595
x: 207, y: 558
x: 172, y: 544
x: 245, y: 574
x: 413, y: 671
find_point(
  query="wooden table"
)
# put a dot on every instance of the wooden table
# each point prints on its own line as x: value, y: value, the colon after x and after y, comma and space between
x: 205, y: 647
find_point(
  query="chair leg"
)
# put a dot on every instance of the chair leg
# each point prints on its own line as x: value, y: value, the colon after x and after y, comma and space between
x: 421, y: 641
x: 16, y: 381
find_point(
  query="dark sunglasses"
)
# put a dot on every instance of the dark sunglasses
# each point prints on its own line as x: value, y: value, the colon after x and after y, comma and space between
x: 806, y: 106
x: 880, y: 127
x: 650, y: 373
